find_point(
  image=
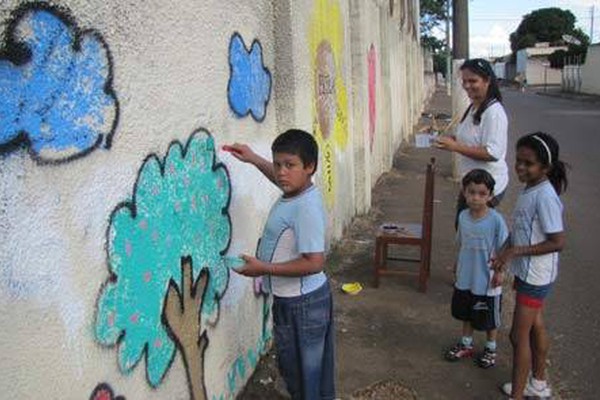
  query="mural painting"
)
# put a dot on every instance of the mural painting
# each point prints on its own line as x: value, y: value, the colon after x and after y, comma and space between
x: 167, y: 266
x: 56, y: 96
x: 330, y: 105
x: 372, y: 66
x: 104, y: 392
x: 249, y: 88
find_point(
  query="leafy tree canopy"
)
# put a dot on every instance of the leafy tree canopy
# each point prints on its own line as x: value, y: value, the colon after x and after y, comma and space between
x: 433, y: 13
x: 546, y: 25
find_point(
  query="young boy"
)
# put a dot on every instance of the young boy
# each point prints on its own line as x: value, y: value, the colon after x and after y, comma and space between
x: 478, y: 290
x: 291, y: 256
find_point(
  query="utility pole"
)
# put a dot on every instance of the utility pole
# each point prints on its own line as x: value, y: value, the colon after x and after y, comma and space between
x: 592, y: 25
x: 460, y: 52
x: 448, y: 54
x: 460, y: 29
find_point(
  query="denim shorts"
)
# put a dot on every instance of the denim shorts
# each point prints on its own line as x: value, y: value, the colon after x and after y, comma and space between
x: 304, y: 339
x: 531, y: 295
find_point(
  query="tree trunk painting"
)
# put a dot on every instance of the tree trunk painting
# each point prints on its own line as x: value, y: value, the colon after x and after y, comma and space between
x: 182, y: 315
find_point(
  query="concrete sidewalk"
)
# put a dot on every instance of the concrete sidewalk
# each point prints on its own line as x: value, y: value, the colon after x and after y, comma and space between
x: 390, y: 340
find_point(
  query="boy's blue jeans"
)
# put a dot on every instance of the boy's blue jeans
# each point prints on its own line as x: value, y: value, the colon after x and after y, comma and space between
x: 304, y: 338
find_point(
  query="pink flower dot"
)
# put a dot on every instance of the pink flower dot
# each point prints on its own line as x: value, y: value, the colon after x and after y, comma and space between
x: 155, y: 190
x: 158, y: 343
x: 193, y: 203
x: 147, y: 276
x: 135, y: 317
x: 143, y: 224
x: 178, y: 206
x: 172, y: 168
x: 110, y: 320
x: 186, y: 181
x: 155, y: 236
x: 128, y: 248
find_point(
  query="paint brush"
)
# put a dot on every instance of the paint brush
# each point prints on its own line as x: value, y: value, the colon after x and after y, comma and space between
x: 230, y: 149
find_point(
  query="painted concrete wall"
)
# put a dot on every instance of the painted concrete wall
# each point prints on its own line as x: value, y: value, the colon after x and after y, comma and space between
x: 120, y: 215
x: 590, y: 71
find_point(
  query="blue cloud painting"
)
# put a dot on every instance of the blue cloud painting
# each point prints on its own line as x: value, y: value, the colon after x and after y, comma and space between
x: 249, y: 87
x: 55, y: 86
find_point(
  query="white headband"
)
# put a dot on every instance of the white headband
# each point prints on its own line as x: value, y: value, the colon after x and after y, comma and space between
x: 539, y: 139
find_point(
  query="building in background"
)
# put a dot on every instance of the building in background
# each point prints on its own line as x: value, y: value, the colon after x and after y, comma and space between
x: 590, y: 71
x: 532, y: 64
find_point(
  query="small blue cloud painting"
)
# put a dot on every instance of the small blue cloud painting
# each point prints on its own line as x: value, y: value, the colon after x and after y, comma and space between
x: 55, y: 86
x: 249, y: 87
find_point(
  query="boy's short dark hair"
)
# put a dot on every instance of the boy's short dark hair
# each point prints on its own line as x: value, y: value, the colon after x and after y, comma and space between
x: 299, y: 143
x: 478, y: 177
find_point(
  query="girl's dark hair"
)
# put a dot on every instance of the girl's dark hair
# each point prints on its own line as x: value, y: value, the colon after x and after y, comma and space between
x: 482, y: 68
x: 546, y: 149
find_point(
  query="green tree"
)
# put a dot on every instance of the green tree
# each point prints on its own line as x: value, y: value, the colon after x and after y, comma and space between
x: 549, y: 25
x: 433, y: 13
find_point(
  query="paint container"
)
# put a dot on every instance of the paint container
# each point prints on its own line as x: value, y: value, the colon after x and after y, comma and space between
x: 234, y: 262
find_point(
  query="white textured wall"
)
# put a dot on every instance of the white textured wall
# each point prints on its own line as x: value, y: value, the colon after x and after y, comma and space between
x: 590, y: 71
x: 171, y: 71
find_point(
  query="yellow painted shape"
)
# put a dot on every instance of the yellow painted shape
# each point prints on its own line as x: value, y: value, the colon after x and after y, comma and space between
x: 330, y: 101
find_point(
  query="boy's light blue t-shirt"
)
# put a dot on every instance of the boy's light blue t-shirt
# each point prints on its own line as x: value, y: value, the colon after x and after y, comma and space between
x: 295, y: 225
x: 479, y: 240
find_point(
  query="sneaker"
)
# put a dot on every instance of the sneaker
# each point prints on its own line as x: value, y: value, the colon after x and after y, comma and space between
x: 459, y: 351
x: 487, y: 359
x: 530, y: 391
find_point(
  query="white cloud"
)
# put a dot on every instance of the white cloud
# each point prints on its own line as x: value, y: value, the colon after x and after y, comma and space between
x: 578, y: 3
x: 495, y: 42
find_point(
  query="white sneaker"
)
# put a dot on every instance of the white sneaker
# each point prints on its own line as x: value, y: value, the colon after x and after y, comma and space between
x: 530, y: 390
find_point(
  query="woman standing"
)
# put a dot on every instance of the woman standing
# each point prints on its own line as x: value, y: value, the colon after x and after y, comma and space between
x: 481, y: 135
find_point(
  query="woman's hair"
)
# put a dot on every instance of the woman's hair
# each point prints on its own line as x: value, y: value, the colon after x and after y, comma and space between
x: 482, y: 68
x: 546, y: 149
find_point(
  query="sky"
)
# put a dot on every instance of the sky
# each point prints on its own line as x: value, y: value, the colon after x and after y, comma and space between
x: 492, y: 21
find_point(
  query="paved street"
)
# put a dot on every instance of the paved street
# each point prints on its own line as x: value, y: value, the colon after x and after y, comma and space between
x: 573, y: 311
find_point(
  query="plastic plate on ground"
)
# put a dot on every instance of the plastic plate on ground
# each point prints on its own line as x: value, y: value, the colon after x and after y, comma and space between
x: 351, y: 288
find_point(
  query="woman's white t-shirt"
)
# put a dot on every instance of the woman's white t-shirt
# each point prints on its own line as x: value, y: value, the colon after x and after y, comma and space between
x: 492, y: 134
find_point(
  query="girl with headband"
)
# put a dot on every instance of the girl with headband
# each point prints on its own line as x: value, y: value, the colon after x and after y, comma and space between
x: 481, y: 135
x: 537, y: 236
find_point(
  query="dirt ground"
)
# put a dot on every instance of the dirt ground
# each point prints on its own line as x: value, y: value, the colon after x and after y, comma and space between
x: 390, y: 339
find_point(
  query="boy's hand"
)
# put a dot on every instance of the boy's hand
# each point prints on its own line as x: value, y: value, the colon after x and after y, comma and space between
x: 500, y: 261
x: 497, y: 279
x: 240, y: 151
x: 253, y: 267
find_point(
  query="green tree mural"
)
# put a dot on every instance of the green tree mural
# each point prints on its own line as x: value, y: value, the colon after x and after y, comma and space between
x: 166, y: 260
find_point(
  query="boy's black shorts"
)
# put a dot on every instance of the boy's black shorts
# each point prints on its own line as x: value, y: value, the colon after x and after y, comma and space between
x: 482, y: 311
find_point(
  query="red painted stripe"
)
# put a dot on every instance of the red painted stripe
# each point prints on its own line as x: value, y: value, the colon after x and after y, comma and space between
x: 529, y: 301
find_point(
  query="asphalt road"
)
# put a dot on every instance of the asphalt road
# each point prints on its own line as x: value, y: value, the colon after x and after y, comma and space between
x: 573, y: 309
